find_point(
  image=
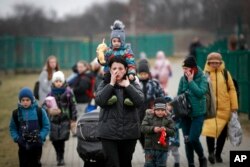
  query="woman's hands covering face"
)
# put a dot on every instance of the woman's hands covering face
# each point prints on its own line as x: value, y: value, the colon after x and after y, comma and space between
x: 124, y: 82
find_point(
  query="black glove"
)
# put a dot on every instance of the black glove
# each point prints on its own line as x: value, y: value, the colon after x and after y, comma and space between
x: 20, y: 141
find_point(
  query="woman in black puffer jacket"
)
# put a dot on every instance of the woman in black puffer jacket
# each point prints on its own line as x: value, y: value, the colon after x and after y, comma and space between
x: 119, y: 125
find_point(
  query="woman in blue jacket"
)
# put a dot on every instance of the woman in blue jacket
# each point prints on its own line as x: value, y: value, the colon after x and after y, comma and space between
x: 194, y: 82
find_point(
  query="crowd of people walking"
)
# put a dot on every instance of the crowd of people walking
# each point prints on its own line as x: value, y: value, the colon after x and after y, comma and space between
x: 134, y: 104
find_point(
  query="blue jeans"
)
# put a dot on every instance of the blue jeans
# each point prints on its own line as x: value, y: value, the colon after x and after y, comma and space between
x: 191, y: 128
x: 155, y: 158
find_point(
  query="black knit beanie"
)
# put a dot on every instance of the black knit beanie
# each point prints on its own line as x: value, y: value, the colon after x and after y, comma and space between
x: 189, y: 62
x: 143, y: 67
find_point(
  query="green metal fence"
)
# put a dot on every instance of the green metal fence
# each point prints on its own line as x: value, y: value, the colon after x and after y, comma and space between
x: 150, y: 44
x: 30, y: 53
x: 238, y: 63
x: 7, y: 54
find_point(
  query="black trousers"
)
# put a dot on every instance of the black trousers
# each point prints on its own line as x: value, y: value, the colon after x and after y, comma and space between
x: 30, y: 158
x: 59, y: 147
x: 119, y: 153
x: 219, y: 143
x: 93, y: 164
x: 142, y: 140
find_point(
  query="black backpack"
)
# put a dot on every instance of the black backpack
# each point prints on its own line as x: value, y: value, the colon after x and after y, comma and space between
x: 236, y: 85
x: 89, y: 146
x: 39, y: 116
x: 36, y: 90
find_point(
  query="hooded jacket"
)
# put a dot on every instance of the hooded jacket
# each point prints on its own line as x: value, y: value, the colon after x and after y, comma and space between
x: 60, y: 124
x: 117, y: 121
x: 196, y: 90
x: 29, y: 115
x: 226, y: 101
x: 151, y: 138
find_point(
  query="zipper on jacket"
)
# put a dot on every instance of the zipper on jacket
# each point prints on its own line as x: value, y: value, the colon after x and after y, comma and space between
x: 216, y: 79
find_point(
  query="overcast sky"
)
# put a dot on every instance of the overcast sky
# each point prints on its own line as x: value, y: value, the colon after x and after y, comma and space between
x: 62, y: 7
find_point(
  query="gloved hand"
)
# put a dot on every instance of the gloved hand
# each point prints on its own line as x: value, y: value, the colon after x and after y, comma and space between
x: 101, y: 49
x: 54, y: 112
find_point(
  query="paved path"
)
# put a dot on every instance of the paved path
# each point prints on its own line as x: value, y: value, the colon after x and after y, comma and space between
x: 72, y: 159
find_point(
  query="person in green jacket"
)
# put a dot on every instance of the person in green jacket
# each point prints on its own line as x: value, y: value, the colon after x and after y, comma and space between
x: 152, y: 126
x: 195, y: 84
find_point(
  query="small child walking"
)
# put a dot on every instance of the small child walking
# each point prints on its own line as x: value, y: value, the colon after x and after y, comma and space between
x: 63, y: 117
x: 157, y: 127
x: 29, y: 127
x: 174, y: 141
x: 117, y: 48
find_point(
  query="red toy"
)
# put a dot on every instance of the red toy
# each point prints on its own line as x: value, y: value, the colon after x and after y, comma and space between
x: 162, y: 139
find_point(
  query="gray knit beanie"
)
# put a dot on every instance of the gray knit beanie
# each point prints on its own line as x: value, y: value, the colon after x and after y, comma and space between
x: 118, y: 31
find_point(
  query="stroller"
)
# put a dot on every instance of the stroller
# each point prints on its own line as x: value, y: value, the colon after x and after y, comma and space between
x: 89, y: 147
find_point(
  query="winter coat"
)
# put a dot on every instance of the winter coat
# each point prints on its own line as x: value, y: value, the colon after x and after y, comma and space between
x: 60, y: 124
x: 196, y: 90
x: 151, y: 138
x: 81, y: 84
x: 124, y: 52
x: 151, y: 90
x: 117, y: 121
x: 30, y: 118
x: 226, y: 101
x: 162, y: 69
x: 44, y: 86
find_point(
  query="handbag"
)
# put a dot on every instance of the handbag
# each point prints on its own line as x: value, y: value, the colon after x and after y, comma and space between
x: 181, y: 105
x: 234, y: 130
x: 210, y: 101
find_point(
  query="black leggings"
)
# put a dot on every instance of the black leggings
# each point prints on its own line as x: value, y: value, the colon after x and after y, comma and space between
x: 59, y: 146
x: 219, y: 143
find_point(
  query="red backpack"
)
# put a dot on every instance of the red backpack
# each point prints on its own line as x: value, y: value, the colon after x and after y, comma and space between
x: 90, y: 92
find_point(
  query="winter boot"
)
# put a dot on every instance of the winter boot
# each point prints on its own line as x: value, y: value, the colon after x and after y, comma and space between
x: 218, y: 158
x: 203, y: 162
x: 191, y: 165
x: 60, y: 161
x: 211, y: 158
x: 176, y: 164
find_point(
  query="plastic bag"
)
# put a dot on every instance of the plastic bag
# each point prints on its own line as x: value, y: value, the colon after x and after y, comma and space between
x: 234, y: 130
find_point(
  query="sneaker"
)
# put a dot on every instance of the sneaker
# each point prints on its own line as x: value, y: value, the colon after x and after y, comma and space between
x: 191, y: 165
x: 112, y: 100
x: 203, y: 162
x: 211, y: 158
x: 60, y: 162
x: 218, y: 159
x: 128, y: 102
